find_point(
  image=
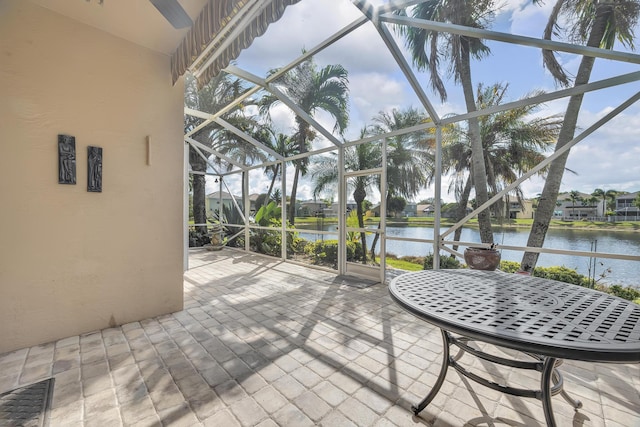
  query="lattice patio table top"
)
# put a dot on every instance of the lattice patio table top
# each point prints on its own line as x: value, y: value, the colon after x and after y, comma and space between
x: 525, y: 313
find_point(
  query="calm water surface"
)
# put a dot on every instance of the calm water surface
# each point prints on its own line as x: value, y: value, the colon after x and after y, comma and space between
x: 616, y: 271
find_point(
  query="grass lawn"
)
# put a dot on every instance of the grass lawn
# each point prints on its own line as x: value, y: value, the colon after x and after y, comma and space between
x: 402, y: 265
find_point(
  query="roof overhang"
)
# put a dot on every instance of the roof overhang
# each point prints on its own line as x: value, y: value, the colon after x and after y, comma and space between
x: 137, y: 21
x: 221, y: 28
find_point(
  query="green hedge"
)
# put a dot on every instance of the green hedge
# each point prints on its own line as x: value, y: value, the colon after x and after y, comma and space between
x: 569, y: 275
x: 446, y: 262
x: 326, y: 252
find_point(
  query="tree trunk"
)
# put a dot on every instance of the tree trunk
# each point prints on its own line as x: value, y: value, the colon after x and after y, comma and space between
x: 462, y: 210
x: 374, y: 243
x: 294, y: 190
x: 199, y: 205
x: 358, y: 196
x: 478, y: 168
x: 377, y: 235
x: 273, y: 181
x: 549, y: 195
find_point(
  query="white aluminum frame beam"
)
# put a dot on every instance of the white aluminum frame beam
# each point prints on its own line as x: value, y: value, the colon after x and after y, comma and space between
x: 551, y: 96
x: 214, y: 152
x: 209, y: 162
x: 224, y: 110
x: 371, y: 13
x: 512, y: 38
x: 238, y: 72
x: 247, y: 138
x: 236, y: 131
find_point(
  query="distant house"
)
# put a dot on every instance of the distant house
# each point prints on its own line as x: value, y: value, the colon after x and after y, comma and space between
x: 625, y: 206
x: 515, y: 209
x: 425, y: 210
x: 213, y: 202
x: 311, y: 208
x: 252, y: 202
x: 410, y: 209
x: 580, y: 209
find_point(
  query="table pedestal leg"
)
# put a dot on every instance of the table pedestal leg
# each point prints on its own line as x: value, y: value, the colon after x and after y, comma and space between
x: 545, y: 388
x: 557, y: 379
x: 443, y: 373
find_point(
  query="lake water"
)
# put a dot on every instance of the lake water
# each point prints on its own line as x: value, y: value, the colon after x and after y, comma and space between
x: 621, y: 271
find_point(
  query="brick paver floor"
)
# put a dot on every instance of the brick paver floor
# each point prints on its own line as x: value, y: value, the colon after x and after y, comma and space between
x: 264, y: 343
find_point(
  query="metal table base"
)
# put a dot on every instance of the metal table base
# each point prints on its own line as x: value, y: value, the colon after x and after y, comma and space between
x: 551, y: 382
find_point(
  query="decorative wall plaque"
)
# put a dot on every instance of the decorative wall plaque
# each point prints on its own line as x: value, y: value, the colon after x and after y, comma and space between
x: 94, y: 170
x: 66, y: 159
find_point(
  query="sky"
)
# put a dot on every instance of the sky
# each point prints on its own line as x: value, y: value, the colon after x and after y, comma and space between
x: 607, y: 159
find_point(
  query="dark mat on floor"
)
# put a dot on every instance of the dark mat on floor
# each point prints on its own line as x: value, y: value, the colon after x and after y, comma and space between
x: 27, y: 406
x: 353, y: 281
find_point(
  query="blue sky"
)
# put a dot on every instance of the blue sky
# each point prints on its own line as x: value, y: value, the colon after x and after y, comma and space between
x: 610, y: 158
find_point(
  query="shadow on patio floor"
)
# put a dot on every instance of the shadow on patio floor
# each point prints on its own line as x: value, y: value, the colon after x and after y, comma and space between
x: 262, y: 342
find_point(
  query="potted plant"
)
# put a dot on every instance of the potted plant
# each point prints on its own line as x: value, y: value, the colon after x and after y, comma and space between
x: 482, y: 258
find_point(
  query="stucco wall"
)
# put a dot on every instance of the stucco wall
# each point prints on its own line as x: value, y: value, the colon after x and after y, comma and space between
x: 73, y: 261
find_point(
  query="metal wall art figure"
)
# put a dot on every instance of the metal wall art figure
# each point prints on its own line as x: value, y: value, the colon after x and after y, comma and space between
x: 94, y: 171
x: 66, y: 159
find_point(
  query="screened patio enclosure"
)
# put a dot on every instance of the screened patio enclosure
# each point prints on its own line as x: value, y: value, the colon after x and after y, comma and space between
x: 237, y: 172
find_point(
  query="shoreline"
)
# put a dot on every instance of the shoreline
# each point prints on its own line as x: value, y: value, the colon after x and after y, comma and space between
x: 630, y: 226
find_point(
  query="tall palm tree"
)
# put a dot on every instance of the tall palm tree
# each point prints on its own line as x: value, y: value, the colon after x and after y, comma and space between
x: 281, y: 144
x: 312, y: 90
x: 410, y: 156
x: 513, y: 142
x: 219, y: 92
x: 430, y: 48
x: 598, y: 23
x: 277, y: 196
x: 574, y: 197
x: 592, y: 201
x: 611, y: 199
x: 600, y: 193
x: 365, y: 156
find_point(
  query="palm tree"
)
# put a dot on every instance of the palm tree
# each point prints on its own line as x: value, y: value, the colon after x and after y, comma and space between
x: 574, y: 197
x: 600, y: 193
x: 281, y: 144
x: 611, y: 199
x: 219, y: 92
x: 599, y: 24
x: 513, y: 142
x: 360, y: 157
x: 277, y: 196
x: 592, y: 201
x: 429, y: 48
x: 312, y: 90
x: 410, y: 157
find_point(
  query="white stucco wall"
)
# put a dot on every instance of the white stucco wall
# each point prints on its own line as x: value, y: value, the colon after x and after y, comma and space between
x: 73, y: 261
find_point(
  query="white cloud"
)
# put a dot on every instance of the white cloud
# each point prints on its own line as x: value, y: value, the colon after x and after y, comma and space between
x: 303, y: 25
x: 527, y: 18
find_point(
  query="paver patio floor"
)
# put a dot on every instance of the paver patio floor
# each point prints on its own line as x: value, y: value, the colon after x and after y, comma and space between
x: 263, y: 343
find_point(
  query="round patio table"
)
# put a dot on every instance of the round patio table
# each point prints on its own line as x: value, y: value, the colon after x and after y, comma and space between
x: 545, y: 319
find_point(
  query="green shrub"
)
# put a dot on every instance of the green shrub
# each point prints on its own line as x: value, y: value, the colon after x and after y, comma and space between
x: 627, y: 293
x: 509, y: 266
x: 446, y: 262
x: 562, y: 274
x: 269, y: 242
x: 568, y: 275
x: 326, y: 252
